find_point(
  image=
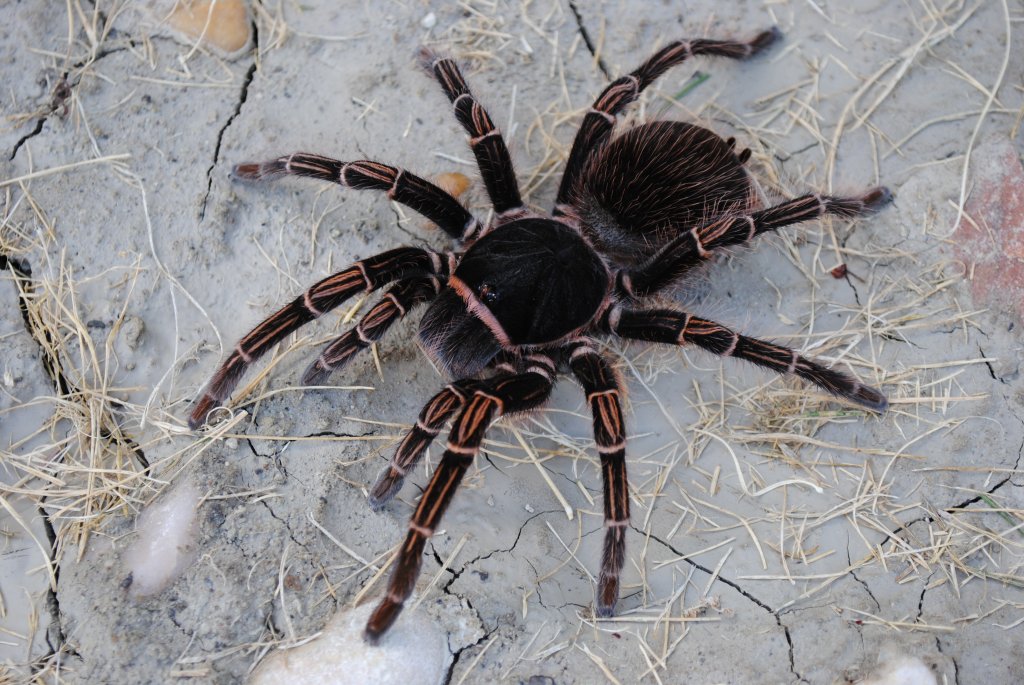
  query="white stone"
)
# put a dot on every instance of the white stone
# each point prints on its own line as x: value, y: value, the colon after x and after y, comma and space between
x: 414, y: 650
x: 901, y: 670
x: 163, y: 549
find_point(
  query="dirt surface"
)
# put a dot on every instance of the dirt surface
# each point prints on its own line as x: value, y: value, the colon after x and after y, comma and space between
x: 778, y: 536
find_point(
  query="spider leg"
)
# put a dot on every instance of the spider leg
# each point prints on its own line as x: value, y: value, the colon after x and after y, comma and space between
x: 363, y: 276
x: 600, y: 119
x: 504, y: 395
x: 602, y: 390
x: 392, y: 307
x: 432, y: 418
x: 687, y: 250
x: 401, y: 186
x: 488, y: 146
x: 675, y: 327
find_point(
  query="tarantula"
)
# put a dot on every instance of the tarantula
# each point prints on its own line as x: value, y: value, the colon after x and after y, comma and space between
x: 527, y: 292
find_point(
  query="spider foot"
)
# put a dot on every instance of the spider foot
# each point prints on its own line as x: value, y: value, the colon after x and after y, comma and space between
x: 378, y: 625
x: 876, y: 198
x: 299, y: 164
x: 427, y: 58
x: 607, y: 596
x: 850, y: 207
x: 384, y: 490
x: 868, y: 397
x: 316, y: 374
x: 201, y: 409
x: 248, y: 171
x: 764, y: 40
x: 406, y: 569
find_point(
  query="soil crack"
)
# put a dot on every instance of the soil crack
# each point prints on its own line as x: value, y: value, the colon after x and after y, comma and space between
x: 59, y: 96
x: 867, y: 589
x: 243, y: 95
x: 962, y: 505
x: 991, y: 369
x: 457, y: 573
x: 456, y: 655
x: 956, y: 666
x: 287, y: 526
x: 56, y: 638
x: 585, y: 35
x: 736, y: 586
x: 40, y: 122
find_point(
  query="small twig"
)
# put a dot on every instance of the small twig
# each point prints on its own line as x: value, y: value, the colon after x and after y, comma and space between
x: 543, y: 472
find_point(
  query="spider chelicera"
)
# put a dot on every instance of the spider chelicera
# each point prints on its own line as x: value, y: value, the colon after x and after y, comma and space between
x: 527, y: 292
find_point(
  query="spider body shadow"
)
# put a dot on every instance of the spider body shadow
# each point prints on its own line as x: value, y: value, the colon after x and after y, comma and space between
x: 527, y: 293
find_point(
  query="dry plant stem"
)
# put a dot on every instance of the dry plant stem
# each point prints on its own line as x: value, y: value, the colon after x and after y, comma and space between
x: 63, y: 168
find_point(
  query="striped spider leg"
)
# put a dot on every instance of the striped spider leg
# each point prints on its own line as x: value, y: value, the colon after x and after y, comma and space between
x: 676, y: 327
x: 602, y: 389
x: 400, y: 185
x: 366, y: 275
x: 395, y: 304
x: 599, y: 121
x: 677, y: 257
x: 506, y: 393
x: 486, y: 141
x: 435, y: 413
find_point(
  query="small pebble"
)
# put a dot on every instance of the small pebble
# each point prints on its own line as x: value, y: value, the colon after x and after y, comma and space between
x: 165, y: 542
x: 452, y: 182
x: 415, y: 650
x: 528, y: 508
x: 429, y: 21
x: 223, y: 24
x: 132, y: 330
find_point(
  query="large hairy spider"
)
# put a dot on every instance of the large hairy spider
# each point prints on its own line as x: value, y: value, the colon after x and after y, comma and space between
x: 526, y: 293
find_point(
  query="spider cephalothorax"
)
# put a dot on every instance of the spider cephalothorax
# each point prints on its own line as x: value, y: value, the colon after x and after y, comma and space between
x: 530, y: 284
x: 528, y: 293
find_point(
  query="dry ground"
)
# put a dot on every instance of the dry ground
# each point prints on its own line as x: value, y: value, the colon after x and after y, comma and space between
x: 778, y: 536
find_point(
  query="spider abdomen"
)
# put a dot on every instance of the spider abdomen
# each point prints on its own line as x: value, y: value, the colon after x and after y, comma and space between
x: 527, y: 283
x: 655, y: 181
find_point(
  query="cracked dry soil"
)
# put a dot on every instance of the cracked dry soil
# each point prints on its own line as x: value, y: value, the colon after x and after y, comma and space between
x: 126, y: 279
